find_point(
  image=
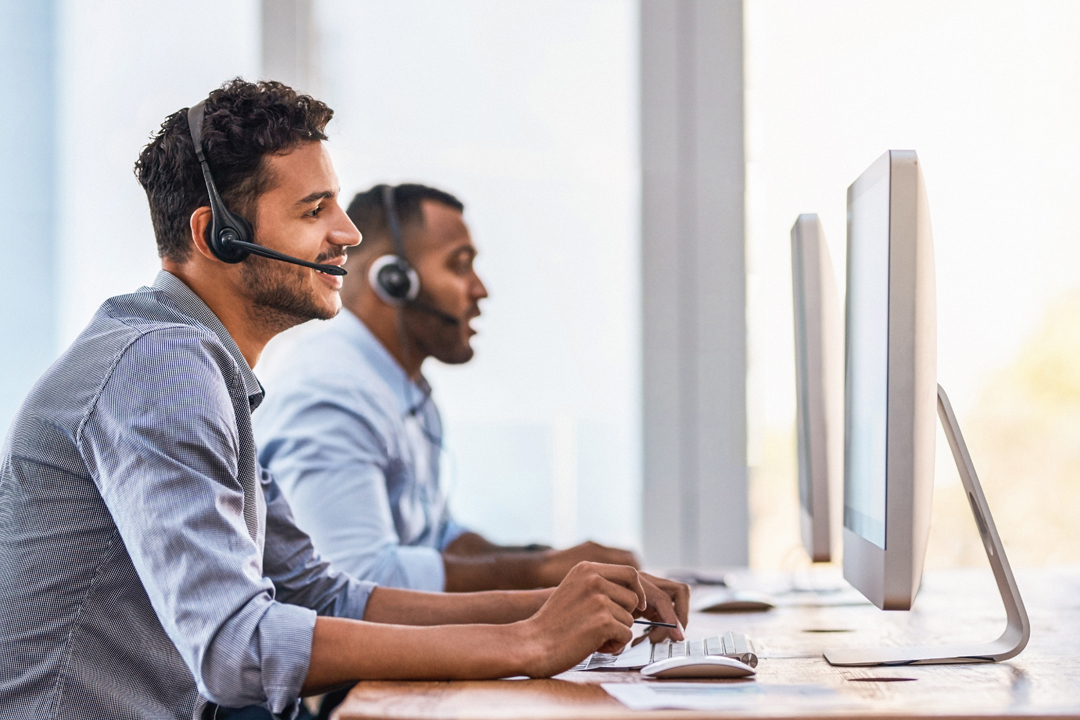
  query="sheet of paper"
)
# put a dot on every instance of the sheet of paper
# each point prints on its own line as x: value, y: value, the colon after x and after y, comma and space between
x: 722, y: 696
x: 631, y: 658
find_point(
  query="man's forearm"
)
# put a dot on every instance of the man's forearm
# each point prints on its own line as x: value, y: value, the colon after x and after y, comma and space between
x: 497, y: 571
x: 345, y: 651
x: 471, y: 543
x: 408, y: 607
x: 385, y: 647
x: 522, y: 569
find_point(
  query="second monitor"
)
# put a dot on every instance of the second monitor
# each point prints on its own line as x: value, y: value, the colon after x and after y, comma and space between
x: 819, y: 385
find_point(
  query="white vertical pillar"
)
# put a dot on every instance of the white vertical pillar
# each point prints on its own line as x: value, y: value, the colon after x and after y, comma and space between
x: 693, y: 284
x: 28, y: 308
x: 288, y: 43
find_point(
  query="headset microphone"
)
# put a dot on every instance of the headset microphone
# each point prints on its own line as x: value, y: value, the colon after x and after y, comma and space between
x: 229, y: 236
x: 432, y: 310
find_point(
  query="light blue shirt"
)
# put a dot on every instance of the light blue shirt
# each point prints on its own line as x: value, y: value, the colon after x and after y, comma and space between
x: 355, y: 445
x: 148, y: 563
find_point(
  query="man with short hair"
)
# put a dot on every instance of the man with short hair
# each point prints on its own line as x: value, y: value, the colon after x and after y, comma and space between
x: 351, y: 432
x: 150, y: 567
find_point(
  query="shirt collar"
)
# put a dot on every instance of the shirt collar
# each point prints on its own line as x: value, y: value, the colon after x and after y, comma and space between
x: 192, y: 305
x: 407, y: 392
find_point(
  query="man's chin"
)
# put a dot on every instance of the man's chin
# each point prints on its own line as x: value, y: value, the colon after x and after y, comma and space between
x: 455, y: 356
x: 322, y: 311
x: 330, y: 308
x: 320, y: 305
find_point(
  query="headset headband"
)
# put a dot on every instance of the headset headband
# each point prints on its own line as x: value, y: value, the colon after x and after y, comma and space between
x: 195, y: 122
x: 392, y: 221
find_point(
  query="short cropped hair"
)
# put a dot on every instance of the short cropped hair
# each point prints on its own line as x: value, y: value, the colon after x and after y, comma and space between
x: 369, y: 214
x: 243, y: 124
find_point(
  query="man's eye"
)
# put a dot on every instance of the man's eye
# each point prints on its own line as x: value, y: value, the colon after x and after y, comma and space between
x: 314, y: 212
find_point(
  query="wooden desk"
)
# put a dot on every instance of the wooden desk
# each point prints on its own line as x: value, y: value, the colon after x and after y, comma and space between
x: 954, y: 606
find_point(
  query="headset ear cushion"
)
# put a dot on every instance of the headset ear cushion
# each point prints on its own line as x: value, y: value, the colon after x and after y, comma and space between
x: 225, y: 228
x: 393, y: 280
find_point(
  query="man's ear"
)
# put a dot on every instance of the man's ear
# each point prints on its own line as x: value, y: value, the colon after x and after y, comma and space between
x: 200, y: 221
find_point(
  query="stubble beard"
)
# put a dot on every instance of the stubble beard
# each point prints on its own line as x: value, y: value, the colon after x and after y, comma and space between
x: 280, y: 294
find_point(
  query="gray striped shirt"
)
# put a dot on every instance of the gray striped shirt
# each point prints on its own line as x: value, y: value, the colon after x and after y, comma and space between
x: 148, y: 563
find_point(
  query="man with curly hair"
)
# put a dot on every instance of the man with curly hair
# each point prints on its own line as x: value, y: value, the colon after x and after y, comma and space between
x: 151, y: 568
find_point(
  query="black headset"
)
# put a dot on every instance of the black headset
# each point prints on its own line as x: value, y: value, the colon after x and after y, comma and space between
x: 392, y: 277
x: 228, y: 235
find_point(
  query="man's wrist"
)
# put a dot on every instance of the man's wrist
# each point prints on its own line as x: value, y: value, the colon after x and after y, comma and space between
x: 529, y: 648
x: 533, y: 600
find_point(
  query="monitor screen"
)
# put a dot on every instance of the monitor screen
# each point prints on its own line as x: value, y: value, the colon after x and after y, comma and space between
x: 867, y: 373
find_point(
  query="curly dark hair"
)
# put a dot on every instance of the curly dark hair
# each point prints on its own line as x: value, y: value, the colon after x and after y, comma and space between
x: 244, y: 123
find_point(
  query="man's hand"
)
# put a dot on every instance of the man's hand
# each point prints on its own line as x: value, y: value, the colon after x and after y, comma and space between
x: 668, y: 602
x: 592, y: 609
x: 553, y: 565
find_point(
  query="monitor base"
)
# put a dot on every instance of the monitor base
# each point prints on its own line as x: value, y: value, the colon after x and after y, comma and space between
x: 1017, y: 628
x: 914, y: 655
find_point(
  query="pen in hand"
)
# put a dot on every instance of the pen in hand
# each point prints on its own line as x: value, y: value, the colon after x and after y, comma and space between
x: 654, y: 624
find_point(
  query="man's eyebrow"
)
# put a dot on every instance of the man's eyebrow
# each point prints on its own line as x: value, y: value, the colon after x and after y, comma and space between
x: 320, y: 195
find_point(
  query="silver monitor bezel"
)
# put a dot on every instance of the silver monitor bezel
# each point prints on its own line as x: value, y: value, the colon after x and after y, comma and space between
x: 890, y: 576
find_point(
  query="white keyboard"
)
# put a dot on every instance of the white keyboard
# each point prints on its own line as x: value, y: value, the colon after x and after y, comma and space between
x: 730, y: 644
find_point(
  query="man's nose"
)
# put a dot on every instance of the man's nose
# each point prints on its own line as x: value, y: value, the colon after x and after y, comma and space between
x: 479, y: 290
x: 345, y: 232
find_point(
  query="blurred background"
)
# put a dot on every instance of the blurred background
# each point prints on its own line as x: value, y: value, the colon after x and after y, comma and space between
x: 631, y: 171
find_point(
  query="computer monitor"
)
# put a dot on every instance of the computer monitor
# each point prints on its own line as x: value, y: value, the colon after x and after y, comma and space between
x: 891, y: 395
x: 890, y: 382
x: 819, y: 385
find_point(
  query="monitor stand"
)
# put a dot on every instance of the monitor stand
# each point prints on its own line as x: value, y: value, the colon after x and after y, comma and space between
x: 1017, y: 629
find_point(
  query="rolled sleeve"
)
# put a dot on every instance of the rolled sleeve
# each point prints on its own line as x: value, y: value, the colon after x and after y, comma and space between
x: 274, y: 663
x: 412, y: 568
x: 174, y: 493
x: 285, y: 636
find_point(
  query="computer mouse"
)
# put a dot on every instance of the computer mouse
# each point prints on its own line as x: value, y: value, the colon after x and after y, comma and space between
x: 734, y: 601
x: 700, y: 666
